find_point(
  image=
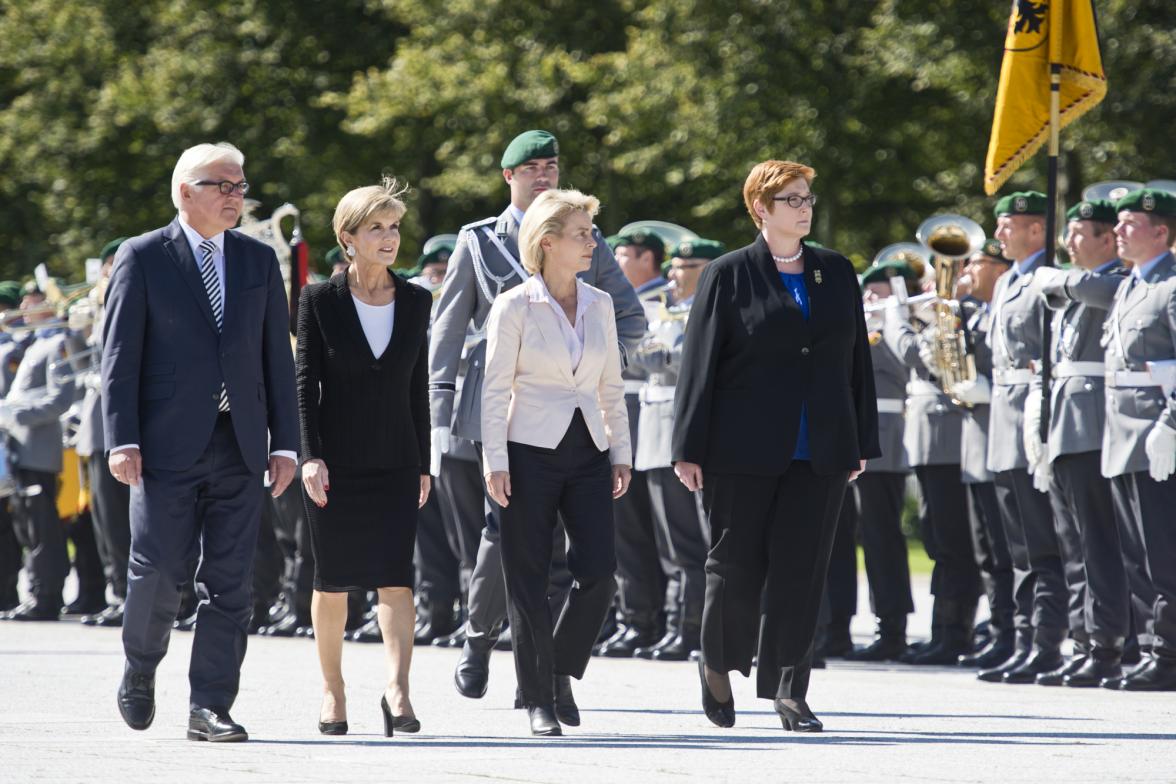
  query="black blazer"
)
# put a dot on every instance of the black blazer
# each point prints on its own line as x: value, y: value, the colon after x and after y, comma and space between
x: 750, y: 360
x: 164, y: 360
x: 357, y: 410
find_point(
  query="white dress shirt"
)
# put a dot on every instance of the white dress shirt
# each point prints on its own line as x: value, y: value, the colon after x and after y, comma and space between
x: 573, y: 335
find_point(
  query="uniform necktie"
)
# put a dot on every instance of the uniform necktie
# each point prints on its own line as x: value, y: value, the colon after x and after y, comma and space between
x: 212, y: 286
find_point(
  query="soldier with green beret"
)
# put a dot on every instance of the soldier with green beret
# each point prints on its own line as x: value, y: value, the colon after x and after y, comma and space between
x: 1139, y: 440
x: 110, y: 248
x: 684, y: 268
x: 484, y: 264
x: 334, y: 259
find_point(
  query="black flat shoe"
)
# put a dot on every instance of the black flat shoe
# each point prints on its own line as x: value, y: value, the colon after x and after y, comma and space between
x: 566, y: 709
x: 215, y: 725
x: 136, y: 698
x: 721, y: 714
x: 389, y: 719
x: 543, y: 721
x: 333, y: 727
x: 801, y: 720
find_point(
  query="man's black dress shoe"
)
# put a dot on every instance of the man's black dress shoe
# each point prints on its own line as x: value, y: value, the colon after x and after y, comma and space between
x: 369, y: 632
x: 622, y: 647
x: 946, y: 650
x: 721, y: 714
x: 455, y: 640
x: 34, y: 611
x: 838, y: 642
x: 678, y: 650
x: 1040, y: 662
x: 1058, y: 677
x: 646, y: 651
x: 85, y: 606
x: 136, y: 698
x: 1093, y: 672
x: 1116, y: 683
x: 215, y: 725
x: 111, y: 618
x: 995, y: 674
x: 996, y: 652
x: 283, y: 626
x: 473, y: 669
x: 566, y: 709
x: 543, y: 720
x: 881, y: 649
x: 799, y: 718
x: 1159, y: 675
x: 185, y: 624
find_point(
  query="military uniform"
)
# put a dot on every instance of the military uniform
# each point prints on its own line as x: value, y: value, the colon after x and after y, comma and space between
x: 11, y: 353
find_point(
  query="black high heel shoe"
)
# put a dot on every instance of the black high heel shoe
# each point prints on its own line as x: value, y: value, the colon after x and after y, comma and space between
x: 389, y: 719
x: 721, y: 714
x: 333, y: 727
x: 797, y: 721
x: 408, y: 724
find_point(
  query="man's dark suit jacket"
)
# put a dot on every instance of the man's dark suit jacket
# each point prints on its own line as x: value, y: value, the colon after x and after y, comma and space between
x: 357, y: 410
x: 750, y: 360
x: 164, y: 361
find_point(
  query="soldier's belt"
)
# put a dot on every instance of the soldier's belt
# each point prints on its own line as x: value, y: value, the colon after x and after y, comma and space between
x: 656, y: 394
x: 890, y: 405
x: 921, y: 388
x: 1119, y: 379
x: 633, y: 386
x: 1011, y: 377
x: 1070, y: 369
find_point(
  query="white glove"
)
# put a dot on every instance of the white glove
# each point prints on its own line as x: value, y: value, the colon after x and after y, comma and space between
x: 1030, y: 431
x: 1041, y: 476
x: 896, y: 312
x: 6, y: 422
x: 973, y: 393
x: 927, y: 350
x: 1161, y: 451
x: 439, y: 446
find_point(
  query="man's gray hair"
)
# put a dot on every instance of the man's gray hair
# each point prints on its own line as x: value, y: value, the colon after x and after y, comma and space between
x: 198, y: 158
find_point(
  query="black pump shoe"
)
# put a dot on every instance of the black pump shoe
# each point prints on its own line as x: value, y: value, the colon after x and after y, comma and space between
x: 794, y: 720
x: 721, y: 714
x: 333, y: 727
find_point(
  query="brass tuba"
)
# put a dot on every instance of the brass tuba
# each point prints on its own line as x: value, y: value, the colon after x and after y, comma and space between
x: 951, y: 239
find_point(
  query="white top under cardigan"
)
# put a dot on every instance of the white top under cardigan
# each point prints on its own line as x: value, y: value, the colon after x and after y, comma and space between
x: 376, y: 321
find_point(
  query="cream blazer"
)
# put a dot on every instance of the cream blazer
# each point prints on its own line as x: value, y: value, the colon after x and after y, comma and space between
x: 530, y: 392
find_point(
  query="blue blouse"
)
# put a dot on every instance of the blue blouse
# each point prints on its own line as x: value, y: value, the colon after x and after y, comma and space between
x: 794, y: 282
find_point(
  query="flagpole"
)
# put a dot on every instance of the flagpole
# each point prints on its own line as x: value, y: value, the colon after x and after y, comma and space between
x: 1051, y: 203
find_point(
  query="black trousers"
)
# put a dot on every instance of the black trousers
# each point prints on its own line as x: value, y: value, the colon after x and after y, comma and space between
x: 459, y: 490
x: 111, y: 505
x: 292, y: 530
x: 211, y: 511
x: 1039, y: 588
x: 947, y: 535
x: 10, y: 557
x: 1092, y: 557
x: 1139, y: 583
x: 991, y: 548
x: 572, y: 481
x: 675, y: 513
x: 841, y: 582
x: 1153, y: 508
x: 879, y: 498
x: 268, y: 561
x: 39, y: 530
x: 437, y: 570
x: 87, y: 560
x: 765, y: 573
x: 642, y: 578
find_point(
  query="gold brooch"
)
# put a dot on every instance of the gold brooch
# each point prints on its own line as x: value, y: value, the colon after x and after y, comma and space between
x: 817, y: 275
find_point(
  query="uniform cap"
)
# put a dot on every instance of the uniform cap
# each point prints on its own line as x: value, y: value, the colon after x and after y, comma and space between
x: 528, y: 146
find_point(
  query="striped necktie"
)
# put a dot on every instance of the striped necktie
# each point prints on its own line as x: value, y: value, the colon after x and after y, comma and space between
x: 212, y: 286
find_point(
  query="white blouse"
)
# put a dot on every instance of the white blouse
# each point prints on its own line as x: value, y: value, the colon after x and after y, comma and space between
x: 376, y: 321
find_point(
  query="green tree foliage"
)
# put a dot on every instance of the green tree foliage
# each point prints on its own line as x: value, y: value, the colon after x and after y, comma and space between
x: 660, y: 106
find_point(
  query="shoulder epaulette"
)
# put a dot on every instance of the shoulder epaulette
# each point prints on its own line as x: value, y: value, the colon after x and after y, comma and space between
x: 476, y: 224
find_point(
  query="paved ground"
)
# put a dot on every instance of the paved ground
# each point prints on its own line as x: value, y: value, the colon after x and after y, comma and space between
x: 642, y: 722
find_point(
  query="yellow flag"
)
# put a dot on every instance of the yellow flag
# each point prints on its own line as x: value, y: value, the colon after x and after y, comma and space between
x: 1065, y: 32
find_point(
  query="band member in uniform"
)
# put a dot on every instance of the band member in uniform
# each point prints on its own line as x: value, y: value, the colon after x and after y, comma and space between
x: 31, y: 417
x: 1068, y: 464
x: 766, y: 425
x: 647, y: 580
x: 675, y: 509
x: 1039, y: 588
x: 12, y: 350
x: 989, y: 543
x: 880, y: 490
x: 484, y: 265
x: 556, y: 442
x: 1139, y: 442
x: 932, y: 442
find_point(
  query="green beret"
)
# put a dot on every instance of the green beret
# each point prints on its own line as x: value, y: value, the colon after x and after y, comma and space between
x: 10, y: 293
x: 698, y: 249
x: 109, y: 248
x: 1021, y: 203
x: 994, y: 250
x: 334, y: 256
x: 613, y: 240
x: 438, y: 255
x: 642, y: 239
x: 528, y: 146
x: 1097, y: 210
x: 882, y: 273
x: 1149, y: 200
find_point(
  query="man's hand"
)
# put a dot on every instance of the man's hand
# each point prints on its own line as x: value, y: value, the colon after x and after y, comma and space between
x: 973, y: 393
x: 426, y: 485
x: 281, y: 471
x: 316, y: 481
x: 439, y: 445
x: 689, y: 474
x: 498, y: 487
x: 855, y: 474
x: 621, y: 476
x: 126, y: 465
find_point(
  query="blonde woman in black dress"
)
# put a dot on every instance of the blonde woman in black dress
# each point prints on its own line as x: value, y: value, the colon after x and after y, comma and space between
x: 362, y: 375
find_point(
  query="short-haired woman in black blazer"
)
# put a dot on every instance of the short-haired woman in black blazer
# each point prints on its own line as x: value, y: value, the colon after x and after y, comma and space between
x: 362, y: 370
x: 775, y: 407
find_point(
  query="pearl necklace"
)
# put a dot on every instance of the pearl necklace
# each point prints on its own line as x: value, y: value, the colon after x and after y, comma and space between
x: 788, y: 259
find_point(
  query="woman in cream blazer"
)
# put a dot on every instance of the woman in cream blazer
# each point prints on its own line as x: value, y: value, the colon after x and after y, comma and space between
x: 555, y: 440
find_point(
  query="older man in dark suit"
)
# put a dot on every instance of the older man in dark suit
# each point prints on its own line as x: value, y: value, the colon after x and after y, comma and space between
x: 199, y: 401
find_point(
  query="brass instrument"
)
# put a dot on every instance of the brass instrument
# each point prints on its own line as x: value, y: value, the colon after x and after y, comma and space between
x: 1110, y: 190
x: 65, y: 307
x: 951, y: 239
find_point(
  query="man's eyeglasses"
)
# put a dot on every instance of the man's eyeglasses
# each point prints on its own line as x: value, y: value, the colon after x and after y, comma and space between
x: 226, y: 187
x: 796, y: 201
